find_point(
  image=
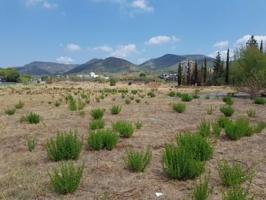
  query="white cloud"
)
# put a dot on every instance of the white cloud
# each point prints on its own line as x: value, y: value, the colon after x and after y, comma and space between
x: 43, y: 3
x: 72, y: 47
x: 162, y: 39
x: 124, y: 50
x: 104, y: 48
x: 222, y: 44
x: 142, y: 5
x: 242, y: 41
x: 64, y: 60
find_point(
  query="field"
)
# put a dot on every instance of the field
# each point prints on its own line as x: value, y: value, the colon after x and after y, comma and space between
x: 24, y: 174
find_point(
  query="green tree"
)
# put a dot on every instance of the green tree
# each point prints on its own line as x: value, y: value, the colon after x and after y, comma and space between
x: 9, y: 75
x: 217, y: 78
x: 179, y: 74
x: 252, y: 43
x: 227, y: 67
x: 196, y: 73
x: 188, y: 74
x: 205, y: 71
x: 261, y: 46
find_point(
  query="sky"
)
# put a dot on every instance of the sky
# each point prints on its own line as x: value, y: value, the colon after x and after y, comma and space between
x: 75, y: 31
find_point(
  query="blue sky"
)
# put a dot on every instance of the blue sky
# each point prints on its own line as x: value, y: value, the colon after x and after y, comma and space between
x: 74, y: 31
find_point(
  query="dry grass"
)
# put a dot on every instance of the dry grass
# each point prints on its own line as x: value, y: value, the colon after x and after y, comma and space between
x: 23, y: 174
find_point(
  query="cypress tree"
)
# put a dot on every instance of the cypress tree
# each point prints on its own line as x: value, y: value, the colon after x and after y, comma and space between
x: 217, y: 70
x: 227, y: 67
x: 188, y: 74
x: 205, y: 71
x: 196, y: 73
x: 179, y: 74
x: 261, y: 46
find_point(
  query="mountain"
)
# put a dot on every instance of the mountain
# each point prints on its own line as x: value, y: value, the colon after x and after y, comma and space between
x: 170, y: 61
x: 45, y: 68
x: 108, y: 65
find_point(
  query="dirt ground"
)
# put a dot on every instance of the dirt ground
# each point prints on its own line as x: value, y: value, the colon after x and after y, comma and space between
x: 23, y: 174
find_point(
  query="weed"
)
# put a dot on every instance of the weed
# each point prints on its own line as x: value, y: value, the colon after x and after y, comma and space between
x: 31, y: 143
x: 96, y: 124
x: 124, y: 128
x: 97, y: 113
x: 259, y: 100
x: 227, y: 110
x: 179, y: 107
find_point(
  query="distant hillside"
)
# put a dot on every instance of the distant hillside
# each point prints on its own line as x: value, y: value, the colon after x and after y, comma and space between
x: 45, y: 68
x: 108, y: 65
x: 170, y: 61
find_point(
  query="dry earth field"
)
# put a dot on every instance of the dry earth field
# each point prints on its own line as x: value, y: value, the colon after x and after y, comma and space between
x: 23, y: 174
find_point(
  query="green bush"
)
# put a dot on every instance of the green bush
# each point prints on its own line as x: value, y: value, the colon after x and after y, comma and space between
x: 179, y: 107
x: 228, y: 100
x: 222, y: 121
x: 72, y: 103
x: 10, y: 111
x: 116, y: 110
x: 19, y: 105
x: 237, y: 193
x: 96, y: 124
x: 232, y: 174
x: 137, y: 161
x: 186, y: 97
x: 227, y: 110
x: 124, y: 128
x: 31, y: 143
x: 201, y: 191
x: 259, y: 100
x: 198, y: 146
x: 178, y: 163
x: 66, y: 177
x: 204, y: 129
x: 32, y: 118
x: 97, y: 113
x: 171, y: 94
x: 216, y: 129
x: 65, y: 146
x: 239, y: 128
x: 102, y: 139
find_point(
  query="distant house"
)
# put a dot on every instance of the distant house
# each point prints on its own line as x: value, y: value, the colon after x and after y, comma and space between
x: 93, y: 75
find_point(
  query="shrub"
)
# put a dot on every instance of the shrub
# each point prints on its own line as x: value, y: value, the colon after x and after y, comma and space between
x: 124, y: 128
x: 112, y: 82
x: 138, y: 124
x: 186, y: 97
x: 65, y: 146
x: 232, y: 174
x: 237, y: 193
x: 259, y: 127
x: 239, y: 128
x: 259, y: 100
x: 116, y: 110
x: 19, y: 105
x: 151, y: 94
x: 101, y: 139
x: 171, y: 94
x: 32, y: 118
x: 66, y: 177
x: 227, y: 111
x: 96, y: 124
x: 137, y: 161
x: 201, y: 191
x: 198, y: 146
x: 251, y: 113
x: 97, y: 113
x: 228, y: 100
x: 72, y: 103
x: 179, y: 107
x: 222, y: 121
x: 178, y: 163
x: 31, y: 143
x: 10, y: 111
x: 204, y: 129
x: 216, y: 129
x: 209, y: 110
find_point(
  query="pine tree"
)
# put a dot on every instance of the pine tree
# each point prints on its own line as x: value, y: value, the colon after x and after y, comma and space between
x: 205, y: 71
x: 218, y: 70
x: 261, y: 46
x: 196, y: 73
x: 227, y: 67
x: 179, y: 74
x: 188, y: 74
x: 252, y: 42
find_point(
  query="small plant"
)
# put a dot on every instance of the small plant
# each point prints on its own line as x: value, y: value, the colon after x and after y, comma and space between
x: 178, y: 163
x: 259, y: 100
x: 227, y: 110
x: 96, y: 124
x: 124, y: 128
x: 65, y: 146
x: 112, y: 81
x: 138, y: 124
x: 101, y: 139
x: 151, y: 94
x: 97, y: 113
x: 137, y: 100
x: 186, y: 97
x: 72, y: 103
x: 204, y: 129
x: 239, y: 128
x: 259, y: 127
x: 31, y: 143
x: 32, y: 118
x: 116, y: 110
x: 127, y: 101
x: 19, y: 105
x: 171, y: 94
x: 228, y: 100
x: 210, y: 110
x: 222, y: 121
x: 57, y: 104
x: 251, y: 113
x: 10, y: 111
x: 216, y: 129
x: 137, y: 161
x: 179, y: 107
x: 66, y: 177
x: 232, y: 174
x: 237, y: 193
x: 202, y: 190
